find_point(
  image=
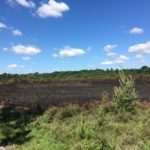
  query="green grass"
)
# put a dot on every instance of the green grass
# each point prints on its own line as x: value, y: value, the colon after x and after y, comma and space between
x: 101, y: 127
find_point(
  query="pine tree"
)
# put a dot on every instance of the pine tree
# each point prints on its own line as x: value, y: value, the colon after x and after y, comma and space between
x: 125, y: 95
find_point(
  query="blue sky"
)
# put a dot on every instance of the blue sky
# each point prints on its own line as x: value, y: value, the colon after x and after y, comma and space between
x: 50, y: 35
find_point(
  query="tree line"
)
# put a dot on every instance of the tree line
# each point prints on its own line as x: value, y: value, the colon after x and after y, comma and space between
x: 71, y: 75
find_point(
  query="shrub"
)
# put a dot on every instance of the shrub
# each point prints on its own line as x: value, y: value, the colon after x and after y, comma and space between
x: 68, y: 112
x: 105, y: 97
x: 125, y: 95
x: 11, y: 82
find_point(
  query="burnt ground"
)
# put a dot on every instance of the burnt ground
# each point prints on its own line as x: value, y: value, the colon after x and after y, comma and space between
x: 48, y: 94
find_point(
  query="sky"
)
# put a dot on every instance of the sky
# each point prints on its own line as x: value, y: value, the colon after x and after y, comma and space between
x: 59, y: 35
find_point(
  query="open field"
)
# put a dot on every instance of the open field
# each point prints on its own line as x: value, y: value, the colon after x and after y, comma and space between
x: 69, y: 115
x: 57, y: 93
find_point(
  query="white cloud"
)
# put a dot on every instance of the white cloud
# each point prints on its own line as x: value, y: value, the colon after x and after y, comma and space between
x: 68, y: 51
x: 140, y: 57
x: 2, y: 26
x: 14, y: 66
x: 111, y: 54
x: 108, y: 50
x: 52, y: 9
x: 107, y: 62
x: 5, y: 49
x: 136, y: 30
x: 71, y: 52
x: 140, y: 48
x: 109, y: 47
x: 17, y: 32
x: 27, y: 50
x: 26, y: 58
x: 55, y: 55
x: 24, y: 3
x: 119, y: 60
x: 92, y: 66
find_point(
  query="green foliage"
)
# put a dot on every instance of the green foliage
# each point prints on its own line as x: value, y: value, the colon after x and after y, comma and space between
x: 125, y: 95
x: 70, y: 111
x: 13, y: 126
x: 70, y: 75
x: 103, y: 127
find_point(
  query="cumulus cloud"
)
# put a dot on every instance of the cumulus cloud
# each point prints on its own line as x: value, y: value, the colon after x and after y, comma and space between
x: 68, y: 51
x: 108, y: 50
x: 107, y: 62
x: 14, y: 66
x: 52, y: 9
x: 17, y: 32
x: 26, y: 58
x: 25, y: 49
x: 119, y: 60
x: 136, y: 30
x: 140, y: 48
x: 2, y: 26
x: 24, y: 3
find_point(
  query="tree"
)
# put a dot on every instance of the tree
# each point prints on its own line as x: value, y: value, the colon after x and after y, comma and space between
x: 125, y: 95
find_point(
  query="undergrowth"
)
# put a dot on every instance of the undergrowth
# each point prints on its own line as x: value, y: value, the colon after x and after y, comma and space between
x: 102, y: 127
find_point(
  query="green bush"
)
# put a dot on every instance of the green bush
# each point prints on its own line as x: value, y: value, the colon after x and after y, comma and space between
x: 102, y: 127
x: 125, y: 95
x: 68, y: 112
